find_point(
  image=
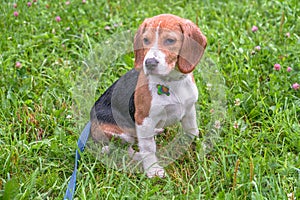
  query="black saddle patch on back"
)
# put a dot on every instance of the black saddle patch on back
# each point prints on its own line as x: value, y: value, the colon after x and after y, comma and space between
x: 116, y: 104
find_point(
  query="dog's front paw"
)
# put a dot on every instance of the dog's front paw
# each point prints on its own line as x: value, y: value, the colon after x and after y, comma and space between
x: 156, y: 170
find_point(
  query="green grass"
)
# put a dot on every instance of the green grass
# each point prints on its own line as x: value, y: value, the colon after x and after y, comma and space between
x: 39, y: 129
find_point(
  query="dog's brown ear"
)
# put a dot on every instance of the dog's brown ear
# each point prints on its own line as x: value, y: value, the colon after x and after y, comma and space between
x: 139, y: 53
x: 193, y: 46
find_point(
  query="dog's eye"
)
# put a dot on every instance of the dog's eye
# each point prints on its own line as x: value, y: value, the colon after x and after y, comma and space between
x: 146, y: 41
x: 169, y: 41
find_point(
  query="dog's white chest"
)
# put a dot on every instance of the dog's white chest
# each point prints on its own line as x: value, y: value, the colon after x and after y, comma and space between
x: 169, y: 107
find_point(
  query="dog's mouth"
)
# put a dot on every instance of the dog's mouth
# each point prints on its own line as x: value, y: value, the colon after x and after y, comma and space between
x: 153, y: 66
x: 158, y: 72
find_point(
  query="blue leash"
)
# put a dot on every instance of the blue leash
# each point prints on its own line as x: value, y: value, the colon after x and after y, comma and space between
x: 81, y: 144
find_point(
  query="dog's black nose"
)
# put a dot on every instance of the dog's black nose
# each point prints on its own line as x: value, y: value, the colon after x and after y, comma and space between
x: 151, y: 63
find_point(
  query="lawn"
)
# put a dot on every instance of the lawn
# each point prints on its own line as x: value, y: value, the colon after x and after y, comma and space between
x: 57, y: 57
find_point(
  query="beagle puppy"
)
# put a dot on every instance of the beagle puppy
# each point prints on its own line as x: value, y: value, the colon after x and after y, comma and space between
x: 158, y: 92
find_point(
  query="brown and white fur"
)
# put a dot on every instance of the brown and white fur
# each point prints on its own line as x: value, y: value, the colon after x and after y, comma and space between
x: 167, y: 48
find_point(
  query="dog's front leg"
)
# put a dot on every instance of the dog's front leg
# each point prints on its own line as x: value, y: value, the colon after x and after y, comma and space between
x: 147, y: 147
x: 189, y: 122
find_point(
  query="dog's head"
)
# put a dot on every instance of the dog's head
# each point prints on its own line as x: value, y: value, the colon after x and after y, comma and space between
x: 167, y: 42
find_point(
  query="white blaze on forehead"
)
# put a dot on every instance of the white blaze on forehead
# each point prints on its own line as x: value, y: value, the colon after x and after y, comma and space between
x: 156, y: 36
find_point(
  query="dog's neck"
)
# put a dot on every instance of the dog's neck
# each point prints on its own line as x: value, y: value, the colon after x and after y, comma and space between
x: 173, y: 76
x: 167, y: 85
